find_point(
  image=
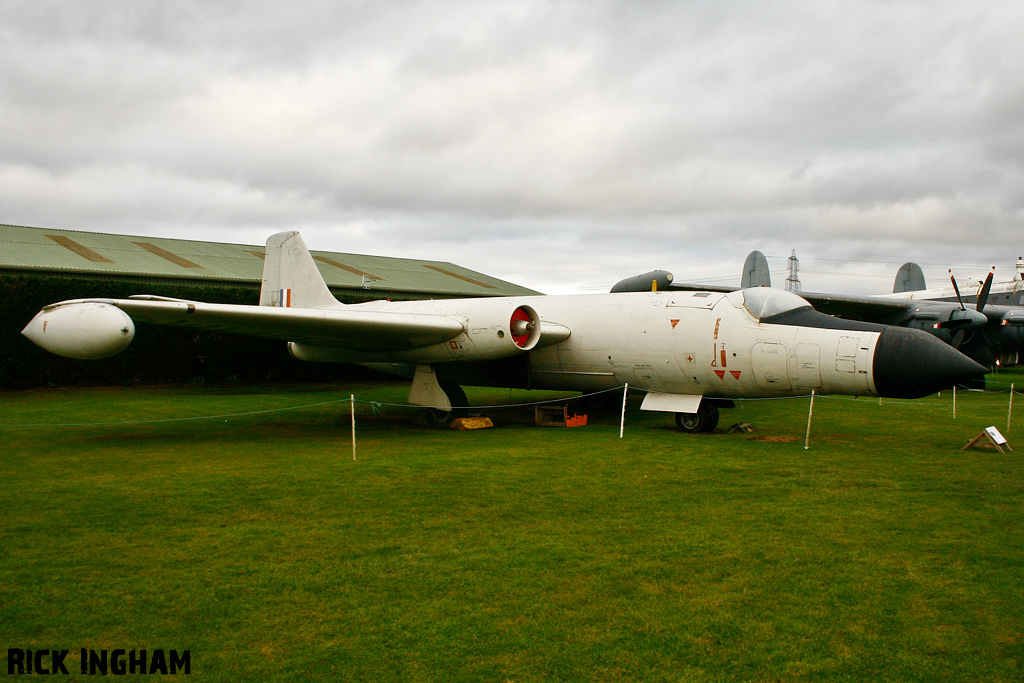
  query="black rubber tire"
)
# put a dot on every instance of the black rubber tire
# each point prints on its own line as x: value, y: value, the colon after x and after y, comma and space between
x: 442, y: 419
x: 603, y: 403
x: 704, y: 420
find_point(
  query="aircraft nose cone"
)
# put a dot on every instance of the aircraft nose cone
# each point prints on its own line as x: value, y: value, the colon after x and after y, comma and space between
x: 910, y: 363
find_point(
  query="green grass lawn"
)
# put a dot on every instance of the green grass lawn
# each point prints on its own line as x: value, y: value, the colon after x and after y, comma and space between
x: 881, y: 553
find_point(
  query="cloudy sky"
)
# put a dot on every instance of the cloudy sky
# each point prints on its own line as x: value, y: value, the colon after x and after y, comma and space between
x: 562, y: 145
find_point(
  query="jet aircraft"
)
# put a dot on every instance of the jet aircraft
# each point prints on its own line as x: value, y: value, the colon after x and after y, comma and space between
x: 689, y: 352
x: 989, y: 334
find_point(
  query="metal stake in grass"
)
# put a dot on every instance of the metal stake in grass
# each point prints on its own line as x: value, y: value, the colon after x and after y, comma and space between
x: 622, y: 422
x: 352, y: 406
x: 810, y: 414
x: 1009, y: 410
x: 954, y: 401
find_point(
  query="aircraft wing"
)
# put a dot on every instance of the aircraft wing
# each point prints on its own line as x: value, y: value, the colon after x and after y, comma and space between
x: 867, y: 309
x: 341, y: 327
x: 863, y: 308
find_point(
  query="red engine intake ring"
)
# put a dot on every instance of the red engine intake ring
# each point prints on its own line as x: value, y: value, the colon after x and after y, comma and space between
x: 522, y: 326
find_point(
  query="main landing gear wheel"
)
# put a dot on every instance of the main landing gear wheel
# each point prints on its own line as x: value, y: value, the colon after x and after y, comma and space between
x: 602, y: 403
x: 440, y: 419
x: 704, y: 420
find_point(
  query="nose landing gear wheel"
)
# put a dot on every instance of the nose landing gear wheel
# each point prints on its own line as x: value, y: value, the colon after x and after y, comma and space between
x: 704, y: 420
x: 440, y: 419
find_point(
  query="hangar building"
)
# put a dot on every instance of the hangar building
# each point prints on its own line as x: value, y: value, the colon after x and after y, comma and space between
x: 352, y: 277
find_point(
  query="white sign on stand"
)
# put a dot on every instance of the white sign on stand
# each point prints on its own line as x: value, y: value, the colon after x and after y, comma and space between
x: 994, y: 440
x: 996, y: 436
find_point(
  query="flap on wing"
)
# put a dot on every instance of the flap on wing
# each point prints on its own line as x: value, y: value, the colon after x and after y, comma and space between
x: 337, y: 327
x: 671, y: 403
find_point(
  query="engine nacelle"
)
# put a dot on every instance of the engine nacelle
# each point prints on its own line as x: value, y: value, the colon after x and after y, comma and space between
x: 654, y: 280
x: 87, y: 330
x: 492, y: 329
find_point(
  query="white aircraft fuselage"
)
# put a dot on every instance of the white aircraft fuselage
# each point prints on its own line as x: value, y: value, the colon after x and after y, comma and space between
x: 667, y: 342
x: 680, y: 347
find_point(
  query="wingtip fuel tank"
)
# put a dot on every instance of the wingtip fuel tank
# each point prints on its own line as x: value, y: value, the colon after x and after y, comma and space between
x: 81, y: 330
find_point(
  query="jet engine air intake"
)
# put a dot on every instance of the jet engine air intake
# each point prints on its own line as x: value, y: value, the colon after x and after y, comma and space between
x: 524, y: 327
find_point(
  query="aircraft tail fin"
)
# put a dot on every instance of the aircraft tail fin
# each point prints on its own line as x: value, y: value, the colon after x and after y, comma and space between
x: 755, y: 271
x: 290, y: 276
x: 909, y: 278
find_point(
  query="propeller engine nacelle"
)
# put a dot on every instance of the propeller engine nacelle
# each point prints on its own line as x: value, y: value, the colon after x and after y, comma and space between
x: 85, y: 331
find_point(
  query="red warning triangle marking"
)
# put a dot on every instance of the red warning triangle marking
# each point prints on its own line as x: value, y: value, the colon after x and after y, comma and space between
x: 736, y: 373
x: 674, y: 323
x: 720, y: 373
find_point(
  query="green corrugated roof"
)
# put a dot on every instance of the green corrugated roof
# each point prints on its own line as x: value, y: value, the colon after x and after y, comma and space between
x: 73, y: 251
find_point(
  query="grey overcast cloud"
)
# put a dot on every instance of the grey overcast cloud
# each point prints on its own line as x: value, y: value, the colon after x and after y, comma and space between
x: 561, y: 145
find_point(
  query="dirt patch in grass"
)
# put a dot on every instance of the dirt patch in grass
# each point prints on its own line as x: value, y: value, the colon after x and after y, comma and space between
x: 773, y: 439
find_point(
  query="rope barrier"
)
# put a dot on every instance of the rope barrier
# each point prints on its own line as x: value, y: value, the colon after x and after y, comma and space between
x: 177, y: 419
x: 376, y: 406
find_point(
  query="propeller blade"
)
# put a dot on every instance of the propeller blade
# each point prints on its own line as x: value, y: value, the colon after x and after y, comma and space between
x: 981, y: 350
x: 979, y: 347
x: 957, y: 339
x: 983, y: 295
x: 957, y: 290
x: 991, y: 347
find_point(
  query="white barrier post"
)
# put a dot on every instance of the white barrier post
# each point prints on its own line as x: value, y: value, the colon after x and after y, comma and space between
x: 810, y: 413
x: 622, y: 422
x: 954, y: 401
x: 352, y: 405
x: 1009, y: 410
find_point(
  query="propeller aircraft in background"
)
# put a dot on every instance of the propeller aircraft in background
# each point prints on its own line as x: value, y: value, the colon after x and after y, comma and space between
x: 992, y: 335
x: 998, y: 342
x: 691, y: 353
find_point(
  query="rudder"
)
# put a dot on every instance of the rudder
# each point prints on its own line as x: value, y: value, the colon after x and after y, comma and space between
x: 909, y: 278
x: 755, y: 271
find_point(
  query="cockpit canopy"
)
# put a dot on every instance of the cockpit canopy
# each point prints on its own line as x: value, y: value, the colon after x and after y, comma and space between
x: 765, y: 302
